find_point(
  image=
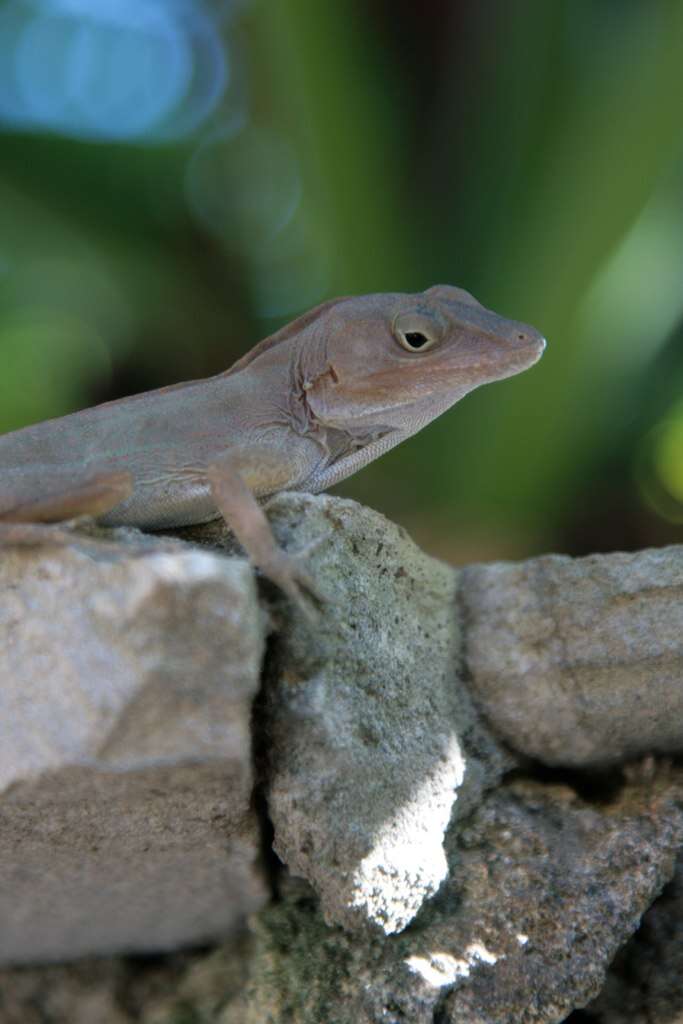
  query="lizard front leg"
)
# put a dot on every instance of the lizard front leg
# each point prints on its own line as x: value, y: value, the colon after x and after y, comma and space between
x: 236, y: 480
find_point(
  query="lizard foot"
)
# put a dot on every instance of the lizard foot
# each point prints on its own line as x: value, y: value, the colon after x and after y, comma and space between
x: 289, y: 573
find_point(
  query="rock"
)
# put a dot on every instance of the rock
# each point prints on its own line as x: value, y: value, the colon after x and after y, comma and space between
x: 180, y: 987
x: 543, y: 889
x: 127, y: 672
x: 371, y: 740
x: 579, y: 661
x: 128, y: 666
x: 645, y: 983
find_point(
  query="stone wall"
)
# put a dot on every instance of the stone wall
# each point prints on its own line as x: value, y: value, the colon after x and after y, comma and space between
x: 451, y: 797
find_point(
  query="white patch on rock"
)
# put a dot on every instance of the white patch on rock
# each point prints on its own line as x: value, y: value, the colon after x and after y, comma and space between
x: 442, y: 969
x: 410, y: 854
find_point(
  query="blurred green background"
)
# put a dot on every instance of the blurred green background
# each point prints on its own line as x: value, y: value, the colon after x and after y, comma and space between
x: 177, y: 179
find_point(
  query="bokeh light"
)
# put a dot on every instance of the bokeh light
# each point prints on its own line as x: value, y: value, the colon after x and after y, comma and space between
x: 109, y: 69
x: 659, y: 466
x: 669, y: 455
x: 245, y: 184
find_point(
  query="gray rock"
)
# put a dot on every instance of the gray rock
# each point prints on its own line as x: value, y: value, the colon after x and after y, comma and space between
x: 543, y: 889
x: 176, y: 989
x: 371, y: 739
x: 579, y: 661
x: 127, y: 672
x: 645, y: 983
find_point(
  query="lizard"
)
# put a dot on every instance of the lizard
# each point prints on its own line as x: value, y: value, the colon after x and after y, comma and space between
x: 302, y: 410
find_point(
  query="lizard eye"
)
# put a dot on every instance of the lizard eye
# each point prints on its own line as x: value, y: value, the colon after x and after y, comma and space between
x: 415, y: 333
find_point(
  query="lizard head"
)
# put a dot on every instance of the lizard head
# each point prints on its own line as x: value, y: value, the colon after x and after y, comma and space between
x: 398, y: 361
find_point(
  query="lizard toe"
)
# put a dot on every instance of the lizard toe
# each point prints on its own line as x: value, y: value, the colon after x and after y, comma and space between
x: 291, y: 576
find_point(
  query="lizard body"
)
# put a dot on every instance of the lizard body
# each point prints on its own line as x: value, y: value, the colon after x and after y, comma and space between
x: 302, y: 410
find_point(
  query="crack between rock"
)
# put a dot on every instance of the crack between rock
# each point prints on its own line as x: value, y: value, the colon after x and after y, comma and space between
x: 260, y: 756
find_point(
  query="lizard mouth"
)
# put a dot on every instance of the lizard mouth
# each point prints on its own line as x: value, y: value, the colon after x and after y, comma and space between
x: 528, y: 353
x: 540, y: 345
x: 517, y: 361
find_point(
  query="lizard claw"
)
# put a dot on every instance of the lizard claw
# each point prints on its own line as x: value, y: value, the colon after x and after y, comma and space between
x: 288, y: 572
x: 305, y: 552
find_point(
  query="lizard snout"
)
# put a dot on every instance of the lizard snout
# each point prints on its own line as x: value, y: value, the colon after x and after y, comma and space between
x: 528, y: 339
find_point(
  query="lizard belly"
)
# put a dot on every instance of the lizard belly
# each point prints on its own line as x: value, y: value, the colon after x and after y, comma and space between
x: 164, y: 505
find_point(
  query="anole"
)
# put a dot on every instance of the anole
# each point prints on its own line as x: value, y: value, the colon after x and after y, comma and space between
x: 302, y: 410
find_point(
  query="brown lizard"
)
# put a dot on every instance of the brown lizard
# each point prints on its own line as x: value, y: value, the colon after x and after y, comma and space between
x: 302, y: 410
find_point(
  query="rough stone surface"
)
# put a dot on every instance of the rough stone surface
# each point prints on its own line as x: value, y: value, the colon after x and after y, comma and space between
x: 645, y: 983
x: 127, y: 672
x: 181, y: 988
x: 579, y: 661
x: 543, y: 890
x: 371, y: 740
